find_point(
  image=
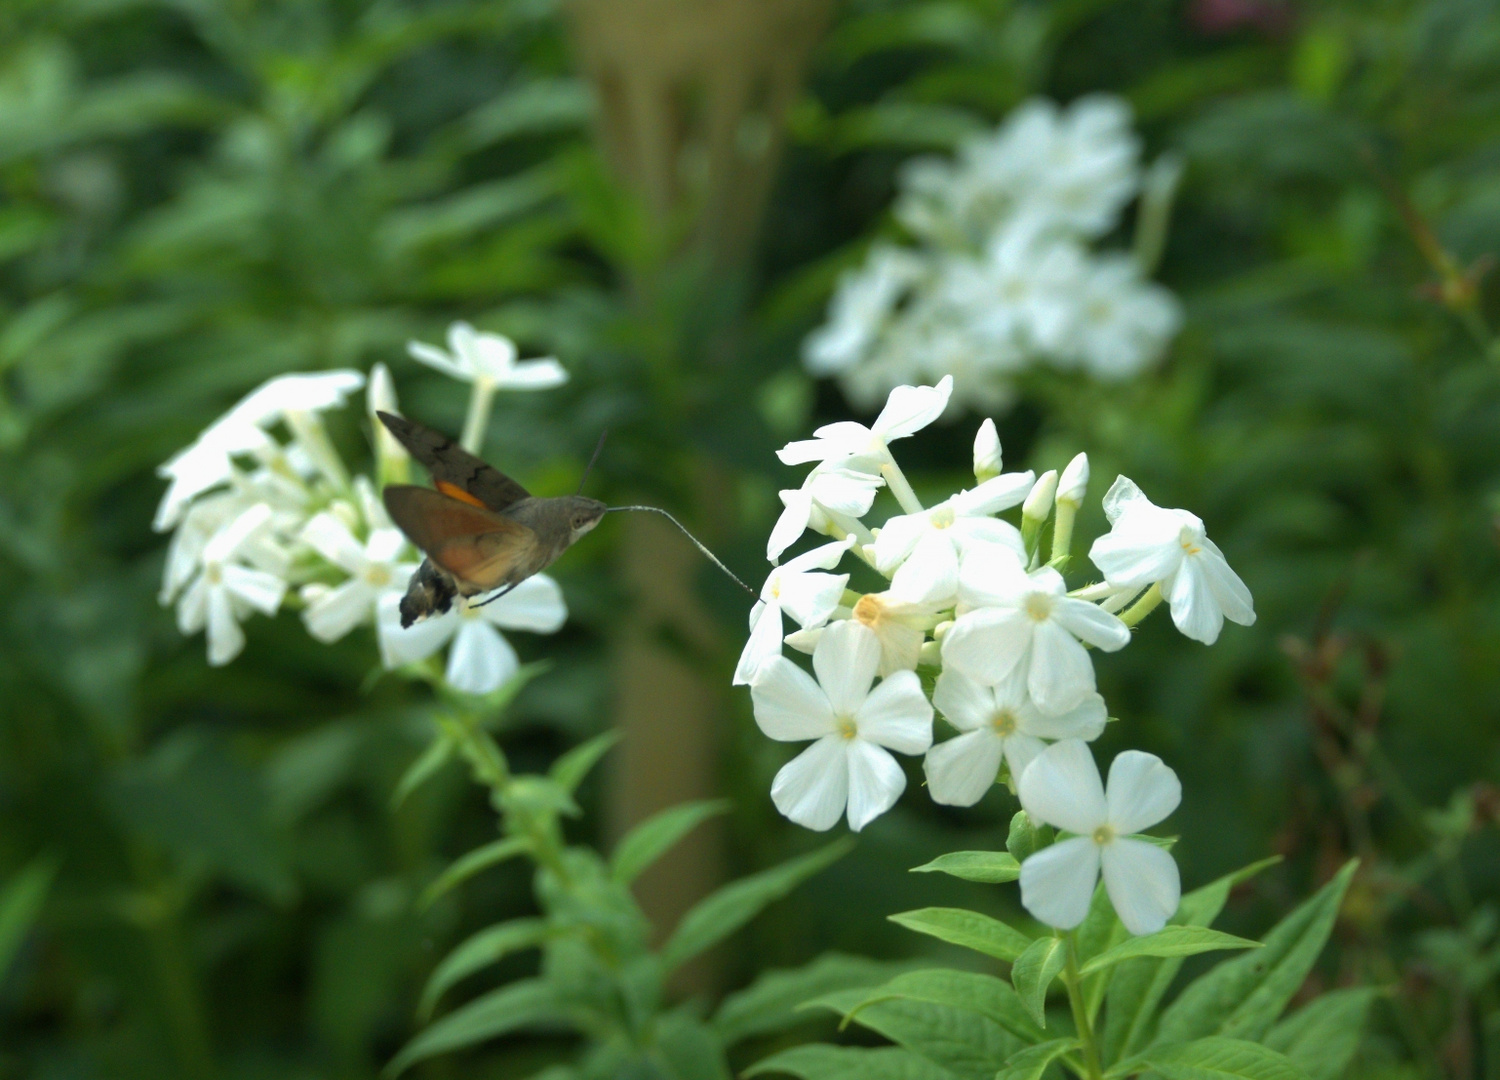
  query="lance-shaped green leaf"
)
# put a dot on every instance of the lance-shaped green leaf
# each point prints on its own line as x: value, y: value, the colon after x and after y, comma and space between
x: 967, y: 928
x: 466, y: 866
x: 1032, y: 1062
x: 568, y: 771
x: 1242, y: 998
x: 528, y: 1003
x: 986, y: 995
x: 477, y: 952
x: 1139, y: 985
x: 987, y: 867
x: 959, y: 1040
x: 655, y: 836
x: 1214, y: 1058
x: 1169, y: 941
x: 1033, y: 972
x: 720, y: 914
x: 849, y: 1063
x: 437, y: 754
x: 769, y: 1004
x: 20, y: 904
x: 1323, y: 1035
x: 688, y: 1048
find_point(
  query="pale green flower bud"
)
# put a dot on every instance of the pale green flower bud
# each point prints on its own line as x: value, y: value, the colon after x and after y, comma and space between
x: 1039, y: 503
x: 987, y: 461
x: 1074, y: 481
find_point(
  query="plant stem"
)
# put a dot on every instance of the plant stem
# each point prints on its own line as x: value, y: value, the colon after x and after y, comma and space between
x: 1072, y: 980
x: 896, y: 480
x: 1142, y: 607
x: 480, y: 398
x: 1062, y: 533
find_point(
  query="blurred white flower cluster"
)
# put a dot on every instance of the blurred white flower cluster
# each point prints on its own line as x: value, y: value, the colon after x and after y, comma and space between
x: 1002, y: 276
x: 262, y: 507
x: 972, y: 606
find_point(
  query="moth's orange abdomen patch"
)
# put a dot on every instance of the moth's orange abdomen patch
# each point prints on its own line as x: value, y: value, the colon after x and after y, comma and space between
x: 453, y: 491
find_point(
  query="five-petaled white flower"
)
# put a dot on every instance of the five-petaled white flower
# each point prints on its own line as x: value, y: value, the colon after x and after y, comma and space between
x: 907, y: 410
x: 225, y: 591
x: 828, y: 496
x: 996, y: 722
x: 481, y: 659
x: 923, y: 550
x: 374, y: 572
x: 849, y: 766
x: 1014, y: 620
x: 861, y: 306
x: 489, y: 359
x: 1061, y: 787
x: 1149, y: 545
x: 797, y: 589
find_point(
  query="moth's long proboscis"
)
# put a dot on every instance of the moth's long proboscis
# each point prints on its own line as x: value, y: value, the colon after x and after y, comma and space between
x: 696, y: 542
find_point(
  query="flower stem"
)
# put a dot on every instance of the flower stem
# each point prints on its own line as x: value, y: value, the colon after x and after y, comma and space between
x: 896, y: 480
x: 480, y: 398
x: 1062, y: 533
x: 1142, y: 607
x: 1072, y: 980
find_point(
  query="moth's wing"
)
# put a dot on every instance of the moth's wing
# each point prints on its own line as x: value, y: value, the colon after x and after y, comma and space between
x: 476, y: 546
x: 454, y: 470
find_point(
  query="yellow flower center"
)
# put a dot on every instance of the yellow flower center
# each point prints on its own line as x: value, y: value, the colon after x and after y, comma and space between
x: 943, y: 517
x: 213, y: 573
x: 378, y: 576
x: 1103, y: 835
x: 1189, y: 542
x: 1039, y: 606
x: 870, y: 610
x: 844, y: 725
x: 1004, y: 722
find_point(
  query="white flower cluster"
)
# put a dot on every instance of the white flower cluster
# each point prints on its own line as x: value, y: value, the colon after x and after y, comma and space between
x: 970, y: 607
x: 262, y: 505
x: 1003, y: 277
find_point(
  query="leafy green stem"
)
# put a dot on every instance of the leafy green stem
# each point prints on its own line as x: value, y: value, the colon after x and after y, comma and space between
x: 1142, y: 607
x: 1073, y: 981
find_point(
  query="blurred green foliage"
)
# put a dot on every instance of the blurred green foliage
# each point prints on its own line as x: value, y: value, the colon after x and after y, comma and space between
x: 197, y: 194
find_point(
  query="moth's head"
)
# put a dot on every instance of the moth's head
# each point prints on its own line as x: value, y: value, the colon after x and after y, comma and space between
x: 583, y: 514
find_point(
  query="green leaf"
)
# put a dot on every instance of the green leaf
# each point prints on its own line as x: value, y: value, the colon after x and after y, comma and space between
x: 688, y: 1049
x: 1242, y: 998
x: 986, y: 995
x: 987, y: 867
x: 1032, y: 1062
x: 959, y: 1040
x: 1323, y: 1035
x: 717, y: 916
x: 478, y: 951
x: 967, y: 928
x: 20, y: 903
x: 466, y: 866
x: 541, y: 105
x: 1100, y: 931
x: 652, y: 838
x: 1169, y: 941
x: 519, y: 1005
x: 1033, y: 972
x: 423, y: 769
x: 568, y: 771
x: 769, y: 1004
x: 849, y: 1063
x: 1221, y: 1059
x: 1026, y: 837
x: 1139, y: 985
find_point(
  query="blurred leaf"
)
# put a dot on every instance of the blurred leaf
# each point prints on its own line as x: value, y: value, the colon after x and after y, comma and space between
x: 652, y: 838
x: 524, y: 1004
x: 569, y: 770
x: 1169, y: 941
x: 961, y: 1041
x: 478, y: 951
x: 1033, y: 972
x: 438, y: 753
x: 466, y: 866
x: 990, y: 997
x: 21, y: 900
x: 967, y: 928
x: 1221, y: 1059
x: 770, y: 1003
x: 1032, y: 1062
x: 1322, y: 1037
x: 847, y: 1063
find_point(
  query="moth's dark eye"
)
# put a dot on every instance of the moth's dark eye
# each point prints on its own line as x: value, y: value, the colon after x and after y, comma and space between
x: 579, y: 521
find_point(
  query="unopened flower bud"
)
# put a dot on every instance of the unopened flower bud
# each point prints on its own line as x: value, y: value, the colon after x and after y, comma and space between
x: 394, y: 463
x: 1039, y: 503
x: 986, y: 452
x: 1074, y: 481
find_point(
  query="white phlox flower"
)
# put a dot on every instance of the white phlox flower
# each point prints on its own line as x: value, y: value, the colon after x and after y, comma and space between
x: 899, y: 625
x: 203, y: 519
x: 861, y: 307
x: 1023, y: 291
x: 923, y: 550
x: 797, y: 589
x: 996, y: 722
x: 225, y: 590
x: 1061, y: 787
x: 488, y: 358
x: 848, y: 769
x: 1124, y: 322
x: 908, y: 410
x: 1011, y: 620
x: 374, y: 567
x: 481, y: 659
x: 1150, y: 545
x: 830, y: 497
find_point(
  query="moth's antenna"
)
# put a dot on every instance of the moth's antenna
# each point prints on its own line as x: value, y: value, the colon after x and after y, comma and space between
x: 590, y: 467
x: 696, y: 542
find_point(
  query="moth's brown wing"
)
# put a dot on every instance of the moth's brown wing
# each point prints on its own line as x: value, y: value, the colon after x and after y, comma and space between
x: 481, y: 549
x: 454, y: 470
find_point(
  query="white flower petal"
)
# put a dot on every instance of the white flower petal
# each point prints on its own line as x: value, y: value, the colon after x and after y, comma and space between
x: 1062, y: 788
x: 988, y: 644
x: 898, y: 537
x: 763, y: 643
x: 1061, y: 674
x: 875, y: 782
x: 334, y: 613
x: 1227, y: 588
x: 897, y: 715
x: 789, y: 705
x: 1143, y: 884
x: 419, y: 641
x: 1194, y: 609
x: 961, y: 770
x: 1057, y: 883
x: 792, y: 523
x: 991, y: 575
x: 911, y: 408
x: 813, y: 788
x: 1121, y: 496
x: 930, y: 572
x: 1086, y: 721
x: 992, y: 496
x: 810, y: 598
x: 1141, y: 549
x: 481, y: 659
x: 536, y: 604
x: 847, y: 657
x: 1091, y: 623
x: 260, y: 590
x: 1141, y: 791
x: 972, y: 532
x: 331, y: 538
x: 540, y: 374
x: 225, y: 638
x: 823, y: 557
x: 437, y: 359
x: 966, y: 704
x: 1021, y: 750
x: 228, y: 540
